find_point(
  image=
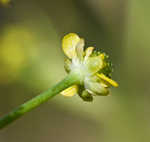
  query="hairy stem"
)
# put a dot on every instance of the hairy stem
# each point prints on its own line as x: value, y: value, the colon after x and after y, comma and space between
x: 36, y: 101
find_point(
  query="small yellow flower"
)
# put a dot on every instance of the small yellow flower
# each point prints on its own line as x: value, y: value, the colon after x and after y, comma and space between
x: 92, y: 66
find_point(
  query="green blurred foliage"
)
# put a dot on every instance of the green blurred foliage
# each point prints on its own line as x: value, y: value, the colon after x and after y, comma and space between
x: 31, y: 61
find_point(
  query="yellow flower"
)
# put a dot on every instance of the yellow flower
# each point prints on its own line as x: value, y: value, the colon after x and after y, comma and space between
x: 92, y: 66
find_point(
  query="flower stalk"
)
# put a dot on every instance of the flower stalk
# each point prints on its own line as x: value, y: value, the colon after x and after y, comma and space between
x: 38, y: 100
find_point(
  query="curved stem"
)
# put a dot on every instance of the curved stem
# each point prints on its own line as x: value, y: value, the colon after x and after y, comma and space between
x: 36, y: 101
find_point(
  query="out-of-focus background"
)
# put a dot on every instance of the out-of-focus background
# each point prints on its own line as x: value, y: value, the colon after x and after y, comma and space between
x: 31, y: 60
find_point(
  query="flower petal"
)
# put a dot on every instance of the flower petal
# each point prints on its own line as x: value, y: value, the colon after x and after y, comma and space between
x: 69, y: 43
x: 88, y: 52
x: 79, y: 49
x: 110, y: 81
x: 94, y: 64
x: 95, y: 88
x: 71, y: 91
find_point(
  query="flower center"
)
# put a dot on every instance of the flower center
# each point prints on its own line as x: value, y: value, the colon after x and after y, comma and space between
x: 81, y: 67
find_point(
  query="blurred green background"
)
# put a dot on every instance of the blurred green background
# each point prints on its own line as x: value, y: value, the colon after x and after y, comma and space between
x: 31, y: 60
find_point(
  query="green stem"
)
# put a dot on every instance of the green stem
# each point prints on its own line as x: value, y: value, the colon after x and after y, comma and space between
x: 36, y: 101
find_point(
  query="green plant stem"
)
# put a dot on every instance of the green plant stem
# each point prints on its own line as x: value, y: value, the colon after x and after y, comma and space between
x: 36, y: 101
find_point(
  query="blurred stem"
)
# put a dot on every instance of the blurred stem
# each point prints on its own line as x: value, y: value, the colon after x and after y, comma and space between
x: 36, y: 101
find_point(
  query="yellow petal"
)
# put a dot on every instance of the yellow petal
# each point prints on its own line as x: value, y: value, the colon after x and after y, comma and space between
x: 71, y: 91
x: 110, y: 81
x: 95, y: 88
x: 69, y: 43
x: 88, y: 52
x: 94, y: 64
x: 79, y: 49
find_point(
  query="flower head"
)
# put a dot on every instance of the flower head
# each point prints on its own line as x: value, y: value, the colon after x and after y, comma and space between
x: 93, y: 68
